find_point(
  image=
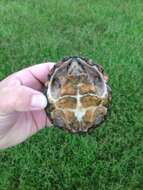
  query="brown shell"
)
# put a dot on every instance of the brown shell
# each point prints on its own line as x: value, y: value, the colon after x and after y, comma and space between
x: 78, y: 94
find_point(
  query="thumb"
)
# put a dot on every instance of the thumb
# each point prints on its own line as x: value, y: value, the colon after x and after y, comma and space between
x: 21, y: 98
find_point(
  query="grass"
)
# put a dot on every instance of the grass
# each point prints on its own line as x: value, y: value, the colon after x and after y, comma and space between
x: 110, y: 32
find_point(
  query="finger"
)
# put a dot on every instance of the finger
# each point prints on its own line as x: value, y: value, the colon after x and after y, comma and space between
x: 21, y: 98
x: 9, y: 81
x: 35, y: 76
x: 41, y: 71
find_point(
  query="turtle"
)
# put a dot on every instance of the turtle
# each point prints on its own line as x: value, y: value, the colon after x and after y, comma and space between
x: 78, y: 95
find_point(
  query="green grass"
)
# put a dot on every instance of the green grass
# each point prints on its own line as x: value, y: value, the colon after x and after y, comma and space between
x: 110, y: 32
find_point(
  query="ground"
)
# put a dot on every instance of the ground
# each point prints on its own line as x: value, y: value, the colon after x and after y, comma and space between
x: 110, y: 32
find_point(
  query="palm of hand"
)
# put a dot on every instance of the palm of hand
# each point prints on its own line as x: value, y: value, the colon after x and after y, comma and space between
x: 18, y: 125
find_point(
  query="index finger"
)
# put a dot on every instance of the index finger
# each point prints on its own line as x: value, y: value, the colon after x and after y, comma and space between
x: 33, y: 76
x: 39, y: 72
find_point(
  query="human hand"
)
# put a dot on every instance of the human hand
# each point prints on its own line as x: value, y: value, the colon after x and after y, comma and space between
x: 22, y: 104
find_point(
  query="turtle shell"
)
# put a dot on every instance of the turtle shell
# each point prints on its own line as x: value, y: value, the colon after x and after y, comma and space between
x: 78, y: 94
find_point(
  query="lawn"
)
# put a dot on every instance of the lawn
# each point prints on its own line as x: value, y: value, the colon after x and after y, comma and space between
x: 108, y: 31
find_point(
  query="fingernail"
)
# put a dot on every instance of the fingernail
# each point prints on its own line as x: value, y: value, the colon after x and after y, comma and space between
x: 39, y: 101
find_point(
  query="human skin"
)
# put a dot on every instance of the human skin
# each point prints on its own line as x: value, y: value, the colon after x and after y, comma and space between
x: 22, y: 104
